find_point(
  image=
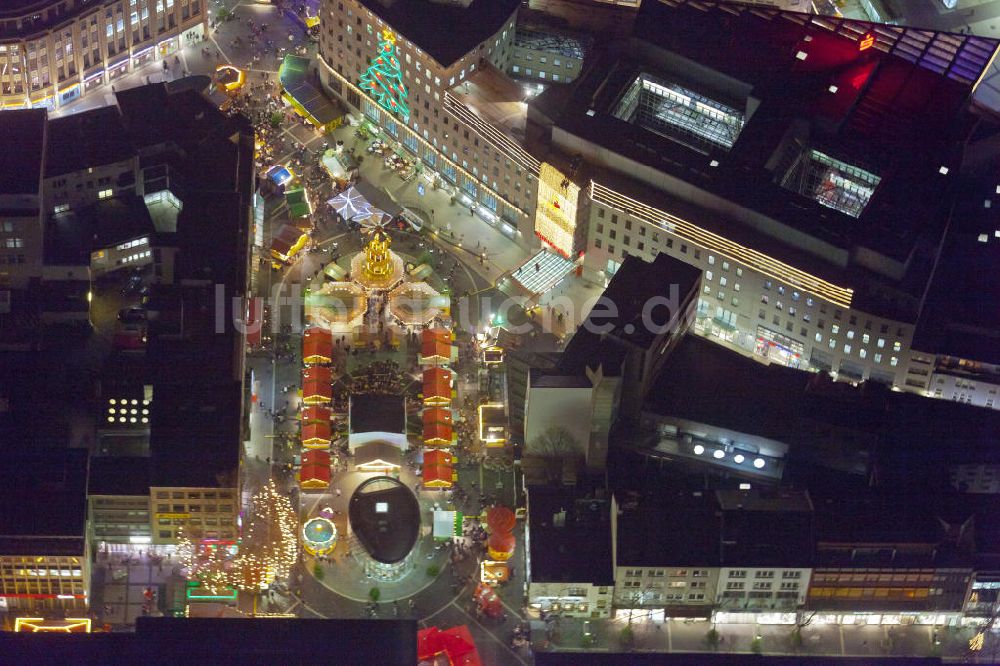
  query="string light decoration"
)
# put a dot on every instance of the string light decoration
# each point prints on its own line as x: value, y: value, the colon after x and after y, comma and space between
x: 384, y: 79
x: 267, y: 551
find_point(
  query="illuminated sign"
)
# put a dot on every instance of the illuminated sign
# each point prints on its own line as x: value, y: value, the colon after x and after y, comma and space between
x: 866, y: 41
x: 555, y: 216
x: 174, y: 516
x: 70, y: 625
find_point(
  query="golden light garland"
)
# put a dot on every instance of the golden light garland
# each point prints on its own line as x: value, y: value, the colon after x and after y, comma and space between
x: 267, y: 551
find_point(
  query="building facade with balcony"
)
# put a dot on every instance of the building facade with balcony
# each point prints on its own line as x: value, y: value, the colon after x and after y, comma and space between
x: 53, y: 52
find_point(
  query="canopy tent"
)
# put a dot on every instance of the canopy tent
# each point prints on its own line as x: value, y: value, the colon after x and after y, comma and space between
x: 362, y: 201
x: 437, y: 386
x: 307, y: 99
x: 435, y: 346
x: 500, y: 546
x: 316, y: 413
x: 500, y: 519
x: 317, y: 345
x: 316, y: 435
x: 317, y: 373
x: 447, y: 524
x: 315, y: 471
x: 287, y: 243
x: 438, y: 472
x: 455, y: 644
x: 338, y: 306
x: 418, y: 304
x: 436, y: 415
x: 438, y: 434
x: 317, y: 393
x: 298, y: 203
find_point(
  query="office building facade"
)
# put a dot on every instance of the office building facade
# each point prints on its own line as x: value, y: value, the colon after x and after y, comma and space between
x: 52, y: 53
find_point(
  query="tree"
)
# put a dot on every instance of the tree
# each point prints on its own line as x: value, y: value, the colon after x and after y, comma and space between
x: 374, y: 594
x: 268, y: 548
x: 712, y: 638
x: 555, y: 442
x: 276, y: 119
x: 384, y: 80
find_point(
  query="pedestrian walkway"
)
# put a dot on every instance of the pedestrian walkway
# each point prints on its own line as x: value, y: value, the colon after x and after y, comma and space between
x: 127, y: 588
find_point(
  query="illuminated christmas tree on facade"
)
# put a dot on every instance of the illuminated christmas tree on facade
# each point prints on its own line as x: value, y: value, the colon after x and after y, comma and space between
x: 383, y: 79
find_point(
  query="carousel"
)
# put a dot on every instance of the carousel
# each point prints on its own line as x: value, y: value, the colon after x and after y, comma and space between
x: 319, y: 535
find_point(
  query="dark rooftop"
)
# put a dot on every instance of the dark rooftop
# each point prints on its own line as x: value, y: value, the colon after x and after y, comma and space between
x: 45, y: 495
x: 244, y: 640
x: 687, y: 532
x: 881, y: 99
x: 574, y: 547
x: 385, y: 516
x: 771, y: 527
x: 620, y: 312
x: 374, y: 412
x: 23, y: 151
x: 90, y: 139
x: 422, y: 22
x: 118, y: 476
x: 71, y: 237
x: 814, y: 416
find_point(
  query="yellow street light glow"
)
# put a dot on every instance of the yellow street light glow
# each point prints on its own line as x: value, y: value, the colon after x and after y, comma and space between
x: 734, y: 251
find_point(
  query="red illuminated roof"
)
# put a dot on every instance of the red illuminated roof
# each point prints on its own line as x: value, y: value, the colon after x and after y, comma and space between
x: 437, y: 383
x: 455, y: 644
x: 316, y: 413
x: 316, y: 430
x: 437, y: 433
x: 315, y: 388
x: 436, y: 415
x: 319, y: 373
x: 317, y: 342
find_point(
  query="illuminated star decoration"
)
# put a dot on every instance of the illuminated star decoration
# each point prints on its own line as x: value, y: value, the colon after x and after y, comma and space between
x: 384, y: 79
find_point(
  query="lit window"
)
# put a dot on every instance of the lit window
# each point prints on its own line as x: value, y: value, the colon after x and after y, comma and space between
x: 896, y: 346
x: 819, y: 337
x: 894, y: 361
x: 847, y: 349
x: 850, y: 335
x: 863, y: 353
x: 865, y: 338
x: 104, y: 194
x: 835, y: 329
x: 878, y: 358
x: 708, y: 275
x: 881, y: 343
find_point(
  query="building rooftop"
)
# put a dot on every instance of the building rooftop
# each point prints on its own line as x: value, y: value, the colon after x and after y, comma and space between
x: 247, y: 640
x: 122, y: 476
x: 374, y: 412
x: 571, y: 46
x: 687, y: 532
x: 45, y: 494
x: 570, y: 536
x: 83, y: 140
x: 772, y: 527
x: 446, y: 31
x: 600, y: 338
x: 21, y: 160
x: 70, y: 237
x: 385, y: 516
x: 833, y: 424
x: 495, y: 98
x: 814, y: 152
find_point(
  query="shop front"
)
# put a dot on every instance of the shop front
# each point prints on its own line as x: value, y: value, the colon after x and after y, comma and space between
x: 92, y: 81
x: 142, y: 56
x: 117, y: 70
x: 43, y: 101
x: 779, y: 348
x: 168, y: 46
x: 67, y: 95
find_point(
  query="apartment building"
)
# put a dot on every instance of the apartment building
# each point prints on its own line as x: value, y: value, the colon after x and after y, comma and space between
x: 55, y: 51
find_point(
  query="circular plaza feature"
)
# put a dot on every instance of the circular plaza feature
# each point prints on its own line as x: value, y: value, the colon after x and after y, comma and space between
x: 385, y: 518
x: 319, y: 536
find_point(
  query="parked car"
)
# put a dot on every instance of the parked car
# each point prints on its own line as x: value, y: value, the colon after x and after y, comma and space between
x: 132, y: 315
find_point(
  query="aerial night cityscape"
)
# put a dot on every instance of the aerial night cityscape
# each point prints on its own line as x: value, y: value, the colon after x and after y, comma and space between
x: 499, y: 332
